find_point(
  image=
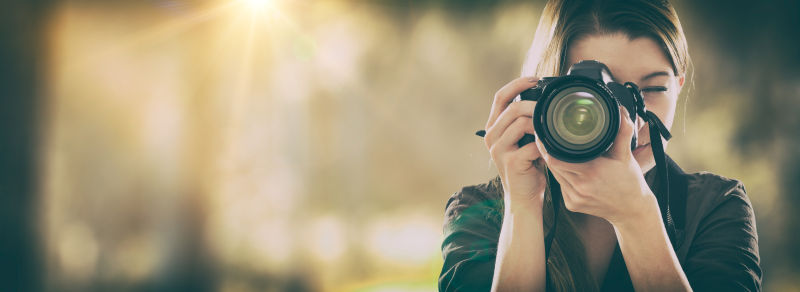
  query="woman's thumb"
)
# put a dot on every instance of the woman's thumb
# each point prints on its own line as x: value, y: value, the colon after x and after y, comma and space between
x: 622, y: 144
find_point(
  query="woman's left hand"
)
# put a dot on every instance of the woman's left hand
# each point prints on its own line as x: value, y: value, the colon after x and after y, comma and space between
x: 611, y: 186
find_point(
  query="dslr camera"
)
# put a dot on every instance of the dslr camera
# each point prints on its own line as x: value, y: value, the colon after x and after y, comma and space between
x: 577, y: 115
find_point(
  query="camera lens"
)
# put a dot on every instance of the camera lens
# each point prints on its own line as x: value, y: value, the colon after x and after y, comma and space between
x: 577, y: 118
x: 580, y: 118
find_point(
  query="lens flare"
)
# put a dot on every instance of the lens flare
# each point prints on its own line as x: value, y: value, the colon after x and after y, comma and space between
x: 258, y: 6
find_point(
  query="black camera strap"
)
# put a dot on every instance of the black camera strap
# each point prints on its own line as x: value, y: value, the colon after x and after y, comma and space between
x: 657, y: 130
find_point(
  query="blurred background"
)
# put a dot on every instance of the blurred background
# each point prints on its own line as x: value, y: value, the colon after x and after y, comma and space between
x: 297, y: 145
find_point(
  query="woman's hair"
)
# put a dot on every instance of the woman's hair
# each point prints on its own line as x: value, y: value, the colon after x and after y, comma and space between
x: 562, y: 23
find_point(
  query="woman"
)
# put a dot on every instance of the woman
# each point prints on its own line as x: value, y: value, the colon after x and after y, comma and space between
x: 612, y: 237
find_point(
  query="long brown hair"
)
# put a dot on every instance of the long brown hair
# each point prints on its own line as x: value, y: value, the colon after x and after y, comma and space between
x: 562, y: 23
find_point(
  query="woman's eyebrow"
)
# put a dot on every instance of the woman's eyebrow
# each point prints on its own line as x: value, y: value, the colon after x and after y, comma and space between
x: 655, y: 74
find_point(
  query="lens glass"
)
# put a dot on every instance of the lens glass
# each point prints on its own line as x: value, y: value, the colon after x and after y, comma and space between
x: 578, y: 119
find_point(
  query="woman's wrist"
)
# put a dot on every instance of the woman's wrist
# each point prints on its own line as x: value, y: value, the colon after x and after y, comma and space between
x: 651, y: 260
x: 520, y: 262
x: 639, y: 217
x: 526, y: 204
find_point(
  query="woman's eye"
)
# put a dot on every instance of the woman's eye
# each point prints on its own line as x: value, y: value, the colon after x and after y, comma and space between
x: 654, y: 89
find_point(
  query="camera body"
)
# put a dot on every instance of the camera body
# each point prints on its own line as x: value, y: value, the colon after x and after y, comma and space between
x: 577, y: 115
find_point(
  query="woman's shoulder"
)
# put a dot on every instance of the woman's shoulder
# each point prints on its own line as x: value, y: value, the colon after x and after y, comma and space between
x: 490, y: 190
x: 720, y: 249
x: 709, y: 189
x: 483, y: 201
x: 715, y: 205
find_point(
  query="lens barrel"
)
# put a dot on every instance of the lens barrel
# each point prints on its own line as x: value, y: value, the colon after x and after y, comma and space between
x: 576, y: 118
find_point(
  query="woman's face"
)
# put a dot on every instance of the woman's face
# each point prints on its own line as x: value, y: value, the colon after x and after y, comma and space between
x: 640, y: 61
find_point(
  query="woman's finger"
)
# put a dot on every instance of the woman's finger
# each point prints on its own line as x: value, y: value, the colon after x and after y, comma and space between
x: 567, y: 191
x: 508, y: 116
x: 529, y: 152
x: 505, y: 95
x: 514, y: 132
x: 568, y: 176
x: 552, y: 162
x: 622, y: 143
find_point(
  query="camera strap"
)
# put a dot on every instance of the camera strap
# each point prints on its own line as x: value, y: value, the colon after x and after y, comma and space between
x: 657, y: 130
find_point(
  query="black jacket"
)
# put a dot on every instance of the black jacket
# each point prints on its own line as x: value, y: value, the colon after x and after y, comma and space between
x: 717, y: 244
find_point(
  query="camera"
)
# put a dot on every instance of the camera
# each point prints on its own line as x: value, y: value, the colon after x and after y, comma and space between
x: 577, y: 115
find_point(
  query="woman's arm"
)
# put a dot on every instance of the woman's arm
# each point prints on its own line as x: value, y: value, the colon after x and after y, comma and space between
x: 520, y: 263
x: 651, y: 261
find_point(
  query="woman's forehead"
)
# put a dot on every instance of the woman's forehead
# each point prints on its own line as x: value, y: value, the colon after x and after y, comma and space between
x: 628, y: 59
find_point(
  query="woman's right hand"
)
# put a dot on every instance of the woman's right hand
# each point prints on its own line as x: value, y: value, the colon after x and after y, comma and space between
x: 520, y: 171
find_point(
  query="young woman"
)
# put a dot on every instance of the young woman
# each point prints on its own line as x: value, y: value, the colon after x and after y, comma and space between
x: 611, y: 235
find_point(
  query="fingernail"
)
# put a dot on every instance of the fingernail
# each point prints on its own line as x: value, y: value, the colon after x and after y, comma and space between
x: 533, y: 79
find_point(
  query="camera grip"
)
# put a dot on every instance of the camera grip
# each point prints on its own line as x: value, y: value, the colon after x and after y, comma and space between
x: 531, y: 94
x: 528, y: 138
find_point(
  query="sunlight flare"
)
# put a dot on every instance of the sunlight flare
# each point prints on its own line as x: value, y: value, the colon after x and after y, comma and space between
x: 258, y: 6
